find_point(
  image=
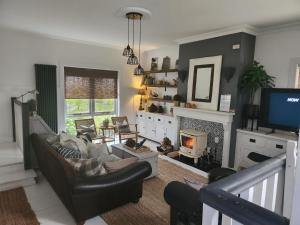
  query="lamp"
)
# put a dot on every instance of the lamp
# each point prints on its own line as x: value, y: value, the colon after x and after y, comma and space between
x: 33, y: 92
x: 139, y: 69
x: 128, y: 51
x: 141, y: 92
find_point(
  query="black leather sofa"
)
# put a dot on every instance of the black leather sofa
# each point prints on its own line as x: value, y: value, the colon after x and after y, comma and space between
x: 87, y: 197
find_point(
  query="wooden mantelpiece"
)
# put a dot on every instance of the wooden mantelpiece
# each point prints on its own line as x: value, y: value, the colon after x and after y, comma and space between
x: 224, y: 118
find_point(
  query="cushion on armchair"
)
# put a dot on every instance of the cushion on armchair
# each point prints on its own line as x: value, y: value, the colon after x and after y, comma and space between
x: 120, y: 164
x: 87, y: 167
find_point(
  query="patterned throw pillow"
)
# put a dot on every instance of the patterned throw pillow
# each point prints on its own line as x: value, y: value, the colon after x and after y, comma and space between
x: 69, y: 141
x: 67, y: 153
x: 87, y: 167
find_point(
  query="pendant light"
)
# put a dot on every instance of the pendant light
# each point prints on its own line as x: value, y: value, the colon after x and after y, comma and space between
x: 127, y: 51
x: 139, y: 70
x: 132, y: 59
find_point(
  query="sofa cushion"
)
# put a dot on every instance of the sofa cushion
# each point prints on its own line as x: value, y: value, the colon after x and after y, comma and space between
x: 69, y: 141
x: 67, y: 153
x: 113, y: 166
x: 95, y: 150
x: 87, y: 167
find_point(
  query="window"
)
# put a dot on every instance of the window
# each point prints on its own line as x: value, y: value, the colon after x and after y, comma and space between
x: 89, y: 93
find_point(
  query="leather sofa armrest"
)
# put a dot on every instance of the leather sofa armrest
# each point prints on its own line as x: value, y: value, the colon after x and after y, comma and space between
x: 182, y: 197
x: 132, y: 173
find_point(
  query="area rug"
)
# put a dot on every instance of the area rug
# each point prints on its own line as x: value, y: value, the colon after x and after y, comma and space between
x: 152, y: 208
x: 15, y: 209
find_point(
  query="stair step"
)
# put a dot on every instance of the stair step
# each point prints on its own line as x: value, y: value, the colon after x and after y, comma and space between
x: 14, y: 176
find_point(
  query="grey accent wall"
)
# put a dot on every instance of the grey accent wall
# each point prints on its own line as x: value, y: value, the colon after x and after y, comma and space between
x: 236, y: 59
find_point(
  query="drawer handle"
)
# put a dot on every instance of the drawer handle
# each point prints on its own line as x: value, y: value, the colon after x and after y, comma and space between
x: 169, y: 122
x: 279, y: 146
x: 149, y: 117
x: 141, y: 115
x: 252, y: 140
x: 158, y: 119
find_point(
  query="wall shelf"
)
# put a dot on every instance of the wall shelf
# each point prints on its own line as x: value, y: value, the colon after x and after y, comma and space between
x: 161, y: 71
x: 160, y: 85
x: 160, y: 100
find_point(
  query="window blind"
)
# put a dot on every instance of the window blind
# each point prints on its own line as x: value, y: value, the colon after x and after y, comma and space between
x: 82, y: 83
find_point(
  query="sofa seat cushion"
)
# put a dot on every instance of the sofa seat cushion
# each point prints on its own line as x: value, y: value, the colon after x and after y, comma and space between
x: 66, y: 152
x: 113, y: 166
x: 87, y: 167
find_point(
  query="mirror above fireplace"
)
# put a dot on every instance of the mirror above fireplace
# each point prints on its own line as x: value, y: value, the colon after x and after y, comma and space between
x: 204, y: 82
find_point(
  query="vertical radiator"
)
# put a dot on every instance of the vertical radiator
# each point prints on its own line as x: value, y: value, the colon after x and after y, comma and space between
x: 45, y: 77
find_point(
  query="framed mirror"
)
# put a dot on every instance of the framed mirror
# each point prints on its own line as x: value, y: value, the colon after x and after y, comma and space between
x: 204, y: 82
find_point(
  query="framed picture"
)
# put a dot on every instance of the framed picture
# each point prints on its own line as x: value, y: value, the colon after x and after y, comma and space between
x: 204, y: 82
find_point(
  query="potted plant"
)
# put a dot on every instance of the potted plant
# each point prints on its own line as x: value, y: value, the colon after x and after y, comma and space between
x: 254, y: 78
x: 177, y: 98
x: 105, y: 122
x: 32, y: 104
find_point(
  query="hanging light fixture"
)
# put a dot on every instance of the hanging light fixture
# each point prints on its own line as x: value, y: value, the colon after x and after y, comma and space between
x: 139, y: 70
x: 132, y: 59
x: 128, y: 50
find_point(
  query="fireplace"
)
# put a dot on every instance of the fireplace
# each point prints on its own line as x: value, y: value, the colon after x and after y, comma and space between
x: 192, y: 143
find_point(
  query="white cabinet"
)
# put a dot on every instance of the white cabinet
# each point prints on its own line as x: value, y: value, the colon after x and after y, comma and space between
x: 258, y: 142
x: 155, y: 126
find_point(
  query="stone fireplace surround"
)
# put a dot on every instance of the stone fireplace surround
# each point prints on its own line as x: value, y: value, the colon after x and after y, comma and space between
x: 222, y: 125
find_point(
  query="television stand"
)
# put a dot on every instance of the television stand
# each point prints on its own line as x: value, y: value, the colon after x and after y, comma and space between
x: 271, y: 132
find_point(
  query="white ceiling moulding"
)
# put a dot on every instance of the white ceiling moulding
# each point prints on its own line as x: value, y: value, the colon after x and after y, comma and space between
x: 218, y: 33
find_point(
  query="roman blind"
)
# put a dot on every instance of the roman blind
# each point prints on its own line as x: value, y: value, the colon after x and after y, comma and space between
x: 82, y: 83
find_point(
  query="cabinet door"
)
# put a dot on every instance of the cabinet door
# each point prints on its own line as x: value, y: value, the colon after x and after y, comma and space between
x: 171, y: 130
x: 141, y: 124
x: 160, y: 130
x: 149, y: 127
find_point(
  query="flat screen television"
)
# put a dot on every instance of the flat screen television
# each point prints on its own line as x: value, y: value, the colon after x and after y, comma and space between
x: 280, y: 109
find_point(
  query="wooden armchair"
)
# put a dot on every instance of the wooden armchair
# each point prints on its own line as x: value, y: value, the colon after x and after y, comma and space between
x: 122, y: 128
x: 87, y: 126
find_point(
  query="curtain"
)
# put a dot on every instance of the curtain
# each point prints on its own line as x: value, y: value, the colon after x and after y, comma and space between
x: 82, y: 83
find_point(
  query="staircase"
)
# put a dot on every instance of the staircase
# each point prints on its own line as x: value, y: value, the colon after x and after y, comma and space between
x: 12, y: 173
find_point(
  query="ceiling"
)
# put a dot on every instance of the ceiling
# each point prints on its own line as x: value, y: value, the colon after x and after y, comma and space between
x: 97, y: 21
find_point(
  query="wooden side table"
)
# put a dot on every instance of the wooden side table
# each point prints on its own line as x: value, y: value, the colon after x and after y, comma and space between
x: 108, y: 133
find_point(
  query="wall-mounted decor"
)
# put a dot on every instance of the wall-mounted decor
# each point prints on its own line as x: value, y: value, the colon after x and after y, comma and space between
x: 166, y: 63
x: 204, y: 82
x: 154, y: 64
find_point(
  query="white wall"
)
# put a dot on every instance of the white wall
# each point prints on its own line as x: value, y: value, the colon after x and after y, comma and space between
x: 20, y: 51
x: 279, y: 52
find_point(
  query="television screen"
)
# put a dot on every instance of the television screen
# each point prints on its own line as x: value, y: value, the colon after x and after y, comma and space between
x: 280, y: 108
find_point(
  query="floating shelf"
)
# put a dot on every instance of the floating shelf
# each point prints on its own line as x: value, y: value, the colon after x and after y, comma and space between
x: 161, y: 71
x: 160, y: 100
x: 160, y: 85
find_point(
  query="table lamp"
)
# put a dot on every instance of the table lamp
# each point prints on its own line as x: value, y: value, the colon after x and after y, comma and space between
x: 141, y: 92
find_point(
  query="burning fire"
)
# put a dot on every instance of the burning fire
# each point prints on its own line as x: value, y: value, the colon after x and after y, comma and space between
x: 188, y: 142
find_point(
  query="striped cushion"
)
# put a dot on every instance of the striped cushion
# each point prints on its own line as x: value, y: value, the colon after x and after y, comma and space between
x: 67, y: 153
x: 87, y: 167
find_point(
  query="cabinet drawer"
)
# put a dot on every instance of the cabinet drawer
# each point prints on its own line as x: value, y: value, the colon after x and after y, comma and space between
x: 170, y: 122
x: 253, y: 141
x: 276, y: 146
x: 159, y: 120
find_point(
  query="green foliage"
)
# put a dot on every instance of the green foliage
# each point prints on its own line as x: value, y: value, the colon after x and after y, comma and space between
x: 255, y: 77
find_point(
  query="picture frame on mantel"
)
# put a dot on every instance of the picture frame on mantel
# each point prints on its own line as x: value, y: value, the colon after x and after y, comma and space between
x: 204, y: 82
